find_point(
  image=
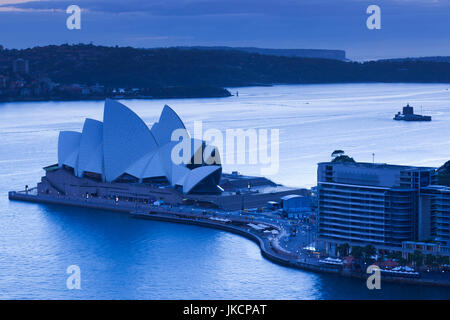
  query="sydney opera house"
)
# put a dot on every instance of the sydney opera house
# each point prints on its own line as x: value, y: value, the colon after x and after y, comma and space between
x: 122, y: 159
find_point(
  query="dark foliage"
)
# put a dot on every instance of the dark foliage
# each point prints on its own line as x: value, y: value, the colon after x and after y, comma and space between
x: 165, y: 67
x: 443, y: 174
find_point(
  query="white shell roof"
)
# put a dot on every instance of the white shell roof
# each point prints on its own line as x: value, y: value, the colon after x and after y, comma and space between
x: 179, y: 174
x: 168, y: 122
x: 126, y: 138
x: 124, y: 144
x: 138, y: 167
x: 90, y: 156
x: 154, y: 168
x: 68, y: 143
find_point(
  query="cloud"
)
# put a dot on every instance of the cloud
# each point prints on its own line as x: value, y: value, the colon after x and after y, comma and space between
x: 213, y: 7
x: 14, y: 9
x: 408, y: 26
x: 10, y: 2
x: 158, y: 8
x: 24, y: 6
x: 208, y: 7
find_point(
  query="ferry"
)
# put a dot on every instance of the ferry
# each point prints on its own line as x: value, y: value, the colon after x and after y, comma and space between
x: 332, y: 261
x: 401, y: 271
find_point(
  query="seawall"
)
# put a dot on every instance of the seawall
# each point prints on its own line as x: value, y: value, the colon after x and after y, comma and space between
x: 168, y: 215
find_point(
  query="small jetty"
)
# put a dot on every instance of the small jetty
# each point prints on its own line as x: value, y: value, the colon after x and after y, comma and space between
x: 408, y: 115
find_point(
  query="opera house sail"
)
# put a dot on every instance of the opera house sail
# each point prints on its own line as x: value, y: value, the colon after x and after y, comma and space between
x: 120, y: 163
x: 123, y: 149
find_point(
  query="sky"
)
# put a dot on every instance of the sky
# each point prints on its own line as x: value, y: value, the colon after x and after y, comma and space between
x: 409, y: 28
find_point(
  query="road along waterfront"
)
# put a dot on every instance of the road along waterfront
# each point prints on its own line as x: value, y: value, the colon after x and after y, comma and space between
x: 268, y: 233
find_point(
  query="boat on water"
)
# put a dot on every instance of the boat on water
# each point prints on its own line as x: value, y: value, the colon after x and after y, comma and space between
x: 401, y: 271
x: 332, y: 261
x: 408, y: 115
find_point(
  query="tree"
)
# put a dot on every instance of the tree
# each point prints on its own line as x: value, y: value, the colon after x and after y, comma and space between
x: 443, y: 260
x: 394, y: 255
x: 357, y: 252
x: 430, y: 259
x: 340, y: 157
x: 369, y: 251
x: 343, y: 249
x: 381, y: 255
x: 337, y: 153
x: 443, y: 174
x: 417, y: 258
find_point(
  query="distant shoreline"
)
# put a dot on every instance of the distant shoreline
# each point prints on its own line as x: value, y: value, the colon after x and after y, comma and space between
x: 55, y: 99
x: 219, y: 93
x: 89, y: 72
x: 165, y: 93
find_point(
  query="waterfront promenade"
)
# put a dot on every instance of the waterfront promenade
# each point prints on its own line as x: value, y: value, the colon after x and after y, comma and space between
x: 274, y: 235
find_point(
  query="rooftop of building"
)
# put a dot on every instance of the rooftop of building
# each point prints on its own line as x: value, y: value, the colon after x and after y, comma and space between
x: 372, y: 165
x: 291, y: 196
x: 374, y: 174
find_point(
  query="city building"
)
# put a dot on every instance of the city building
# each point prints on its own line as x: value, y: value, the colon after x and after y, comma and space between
x: 436, y: 249
x: 436, y: 207
x: 296, y: 206
x: 367, y: 203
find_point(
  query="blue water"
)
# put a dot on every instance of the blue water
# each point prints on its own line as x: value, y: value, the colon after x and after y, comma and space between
x: 125, y: 258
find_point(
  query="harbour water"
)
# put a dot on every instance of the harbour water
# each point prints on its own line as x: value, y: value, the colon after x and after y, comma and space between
x: 125, y: 258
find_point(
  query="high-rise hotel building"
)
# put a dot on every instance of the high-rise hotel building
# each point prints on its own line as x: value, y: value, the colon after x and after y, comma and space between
x: 380, y: 204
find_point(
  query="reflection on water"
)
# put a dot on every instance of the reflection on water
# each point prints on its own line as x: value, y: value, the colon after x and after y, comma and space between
x: 122, y: 257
